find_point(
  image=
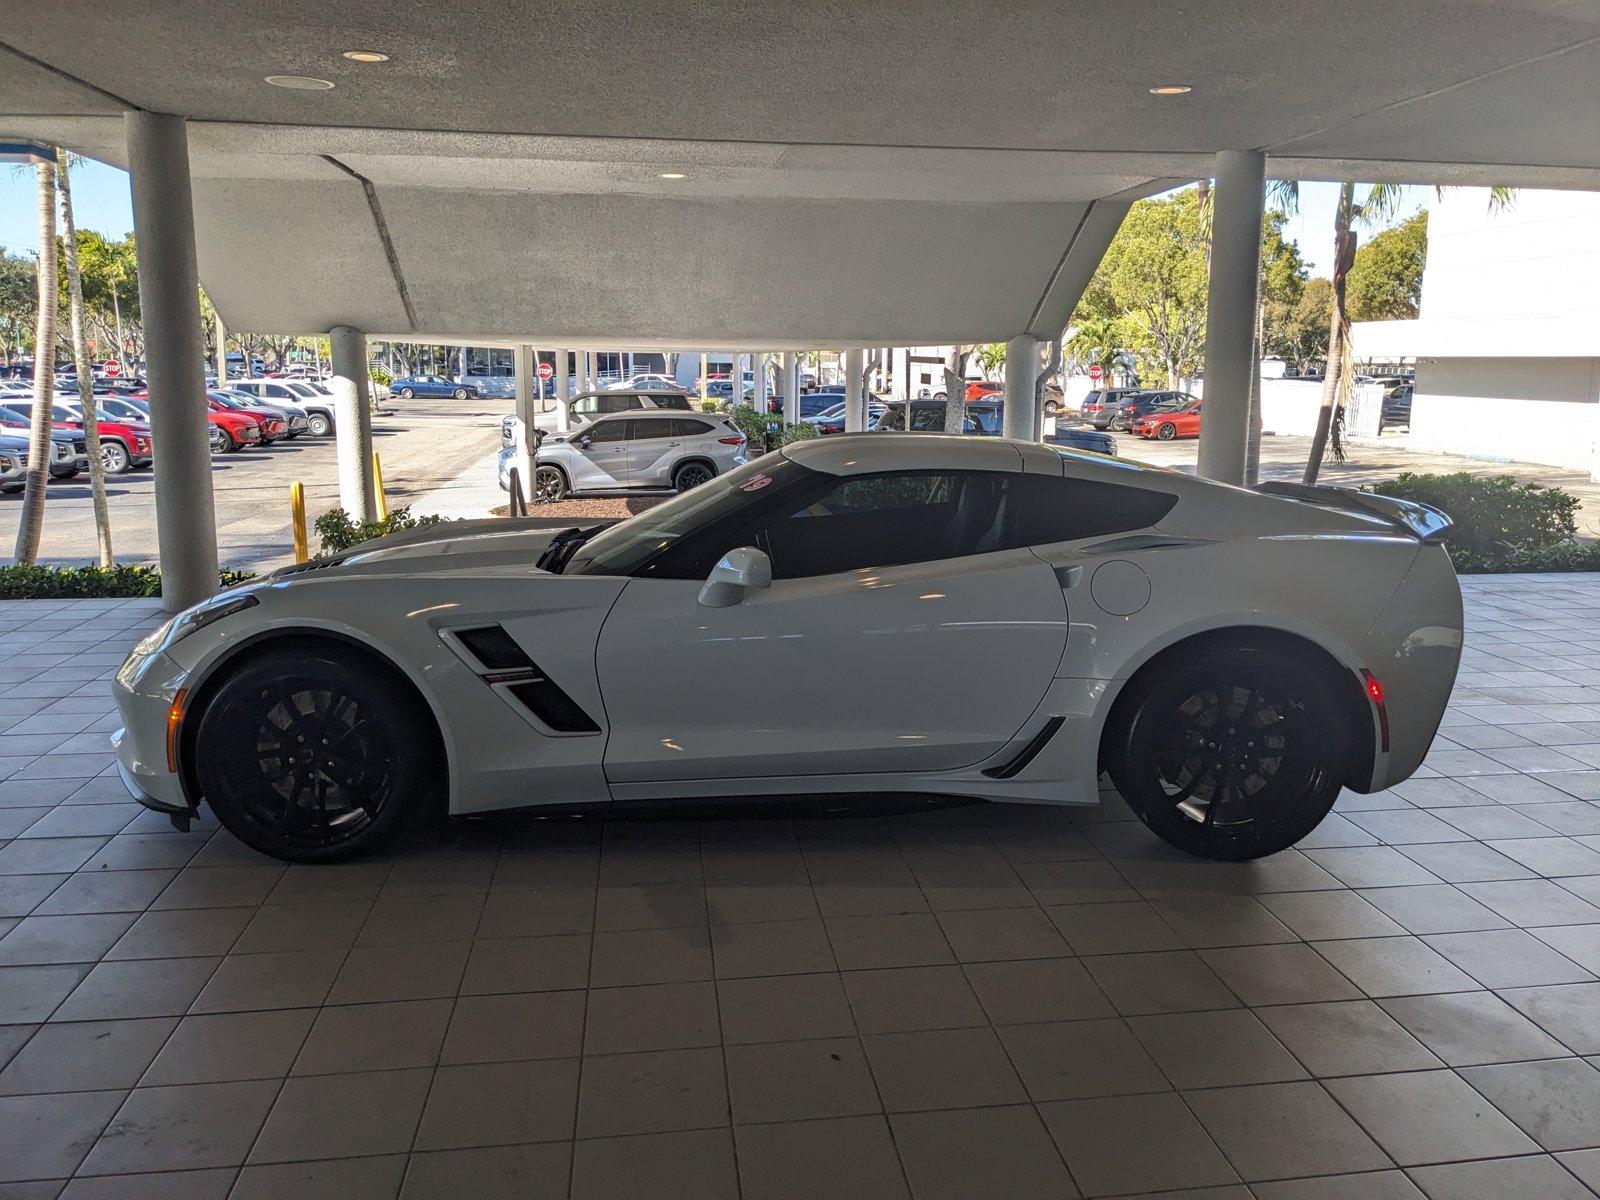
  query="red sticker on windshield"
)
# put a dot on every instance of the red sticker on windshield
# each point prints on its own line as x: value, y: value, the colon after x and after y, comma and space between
x: 755, y: 483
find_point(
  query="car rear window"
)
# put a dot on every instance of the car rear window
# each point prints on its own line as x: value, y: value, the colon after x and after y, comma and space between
x: 677, y: 403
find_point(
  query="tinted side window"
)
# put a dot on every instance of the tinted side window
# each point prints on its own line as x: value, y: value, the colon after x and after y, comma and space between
x: 1052, y: 509
x: 650, y: 429
x: 685, y: 428
x: 889, y: 520
x: 676, y: 403
x: 608, y: 431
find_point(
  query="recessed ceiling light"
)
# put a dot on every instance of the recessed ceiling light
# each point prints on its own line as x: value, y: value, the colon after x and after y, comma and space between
x: 673, y: 175
x: 366, y: 56
x: 300, y: 83
x: 1171, y: 89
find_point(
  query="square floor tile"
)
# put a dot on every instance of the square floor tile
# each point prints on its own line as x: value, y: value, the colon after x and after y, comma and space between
x: 1074, y: 1060
x: 1322, y: 915
x: 1000, y: 1152
x: 888, y: 940
x: 792, y: 1081
x: 85, y: 1056
x: 1555, y: 1102
x: 1351, y: 1037
x: 497, y: 1173
x: 486, y: 1104
x: 655, y: 1092
x: 1471, y: 1028
x: 1119, y: 928
x: 230, y: 1046
x: 849, y: 1158
x: 656, y: 1016
x: 1429, y: 1117
x: 30, y: 994
x: 650, y: 956
x: 242, y: 982
x: 181, y: 1128
x: 1570, y: 1012
x: 955, y: 1068
x: 1139, y: 984
x: 1215, y: 1049
x: 771, y: 948
x: 1105, y: 1144
x: 343, y: 1116
x: 1508, y: 958
x: 1002, y: 934
x: 784, y: 1008
x: 83, y: 938
x: 531, y: 964
x: 276, y: 928
x: 1579, y: 943
x: 374, y: 1178
x: 1281, y: 1130
x: 1292, y: 974
x: 1498, y: 1178
x: 901, y: 999
x: 374, y: 1037
x: 182, y: 933
x: 1046, y: 989
x: 696, y: 1164
x: 1433, y: 908
x: 1396, y: 966
x: 373, y: 974
x: 1530, y: 902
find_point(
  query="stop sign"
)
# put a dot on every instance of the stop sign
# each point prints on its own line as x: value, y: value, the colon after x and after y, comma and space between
x: 546, y: 370
x: 112, y: 368
x: 1095, y: 373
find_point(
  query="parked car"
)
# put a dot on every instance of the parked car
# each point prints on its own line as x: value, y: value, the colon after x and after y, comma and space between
x: 227, y: 430
x: 831, y: 420
x: 125, y: 443
x: 586, y: 406
x: 648, y: 382
x: 271, y: 423
x: 13, y: 462
x: 977, y: 389
x: 1124, y: 416
x: 295, y: 397
x: 1083, y: 439
x: 1397, y: 405
x: 812, y: 403
x: 636, y: 451
x: 1097, y: 401
x: 431, y: 385
x: 1173, y: 419
x: 295, y: 419
x: 69, y: 449
x: 928, y: 416
x: 797, y: 626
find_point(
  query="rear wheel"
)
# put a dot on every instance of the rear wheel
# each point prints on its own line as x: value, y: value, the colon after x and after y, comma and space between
x: 320, y: 424
x: 114, y: 458
x: 313, y: 755
x: 692, y: 475
x: 406, y: 393
x: 460, y: 393
x: 221, y: 443
x: 549, y: 485
x: 1233, y: 753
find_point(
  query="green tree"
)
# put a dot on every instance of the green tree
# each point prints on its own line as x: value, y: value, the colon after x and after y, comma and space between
x: 991, y: 357
x: 1298, y: 332
x: 1385, y: 282
x: 19, y: 304
x: 110, y: 273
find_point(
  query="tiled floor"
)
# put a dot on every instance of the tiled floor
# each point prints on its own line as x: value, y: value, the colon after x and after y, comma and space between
x: 974, y: 1002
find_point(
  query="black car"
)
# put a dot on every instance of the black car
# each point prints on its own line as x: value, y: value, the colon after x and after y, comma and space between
x: 1084, y: 439
x: 985, y: 417
x: 1122, y: 416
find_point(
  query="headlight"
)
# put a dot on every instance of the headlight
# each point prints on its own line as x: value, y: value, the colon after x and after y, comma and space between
x: 197, y: 618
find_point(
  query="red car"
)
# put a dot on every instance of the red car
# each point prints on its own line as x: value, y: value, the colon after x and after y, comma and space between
x: 977, y: 389
x: 123, y: 446
x: 270, y: 425
x: 1180, y: 420
x: 229, y: 430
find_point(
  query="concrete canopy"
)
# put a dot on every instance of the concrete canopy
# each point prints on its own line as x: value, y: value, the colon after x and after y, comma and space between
x: 501, y: 178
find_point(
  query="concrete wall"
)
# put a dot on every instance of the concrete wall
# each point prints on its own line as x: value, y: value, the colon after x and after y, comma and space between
x: 1539, y: 410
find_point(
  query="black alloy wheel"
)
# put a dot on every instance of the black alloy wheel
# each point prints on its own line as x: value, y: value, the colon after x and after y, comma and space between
x: 549, y: 485
x: 1234, y: 754
x: 312, y: 756
x: 221, y: 443
x: 692, y: 475
x: 1167, y: 432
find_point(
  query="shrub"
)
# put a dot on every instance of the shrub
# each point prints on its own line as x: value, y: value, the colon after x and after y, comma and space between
x: 380, y: 376
x: 337, y: 531
x: 754, y: 427
x: 1501, y: 525
x: 29, y: 581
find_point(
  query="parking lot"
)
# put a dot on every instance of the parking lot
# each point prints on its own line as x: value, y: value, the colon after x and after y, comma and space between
x: 988, y: 1000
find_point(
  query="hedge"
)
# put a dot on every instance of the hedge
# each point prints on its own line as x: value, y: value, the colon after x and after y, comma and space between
x: 1501, y: 526
x: 33, y: 582
x: 338, y: 532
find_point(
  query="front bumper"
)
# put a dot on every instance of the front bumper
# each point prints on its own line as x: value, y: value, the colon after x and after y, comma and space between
x: 145, y: 688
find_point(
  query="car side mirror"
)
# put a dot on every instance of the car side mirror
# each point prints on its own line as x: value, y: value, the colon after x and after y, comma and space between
x: 735, y: 573
x: 584, y: 440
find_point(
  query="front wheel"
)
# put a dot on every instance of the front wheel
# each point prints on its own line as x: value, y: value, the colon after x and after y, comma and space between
x: 221, y: 443
x: 320, y: 425
x: 1167, y: 432
x: 549, y: 485
x: 692, y: 475
x: 1233, y: 753
x: 406, y: 393
x: 460, y: 393
x: 313, y: 756
x: 114, y: 458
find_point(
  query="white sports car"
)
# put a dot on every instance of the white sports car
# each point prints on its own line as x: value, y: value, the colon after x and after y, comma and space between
x: 870, y: 613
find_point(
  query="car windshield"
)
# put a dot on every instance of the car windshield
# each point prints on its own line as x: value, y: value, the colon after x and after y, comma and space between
x: 1171, y: 405
x: 628, y: 545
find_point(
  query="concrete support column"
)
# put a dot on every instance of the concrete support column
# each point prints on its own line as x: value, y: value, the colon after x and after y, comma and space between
x: 855, y: 408
x: 352, y: 418
x: 562, y: 388
x: 175, y: 349
x: 791, y: 387
x: 1021, y: 419
x: 523, y: 367
x: 1231, y: 313
x: 763, y: 393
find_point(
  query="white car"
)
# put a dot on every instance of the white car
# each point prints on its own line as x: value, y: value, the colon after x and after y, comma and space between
x: 852, y: 614
x: 647, y: 383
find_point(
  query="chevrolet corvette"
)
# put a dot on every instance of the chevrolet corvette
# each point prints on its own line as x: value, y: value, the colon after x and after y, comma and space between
x: 867, y: 613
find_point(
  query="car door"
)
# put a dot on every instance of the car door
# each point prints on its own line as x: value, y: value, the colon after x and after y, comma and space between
x: 903, y: 632
x: 600, y: 455
x: 654, y: 445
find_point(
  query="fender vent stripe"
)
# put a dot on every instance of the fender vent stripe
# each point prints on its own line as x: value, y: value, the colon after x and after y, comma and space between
x: 502, y: 661
x: 496, y: 649
x: 553, y: 706
x: 1029, y: 752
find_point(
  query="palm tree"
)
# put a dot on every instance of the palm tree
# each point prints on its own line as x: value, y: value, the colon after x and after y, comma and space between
x: 31, y: 523
x: 80, y: 355
x: 1094, y: 341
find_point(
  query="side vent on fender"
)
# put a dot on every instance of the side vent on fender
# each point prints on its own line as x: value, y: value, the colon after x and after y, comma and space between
x: 503, y: 661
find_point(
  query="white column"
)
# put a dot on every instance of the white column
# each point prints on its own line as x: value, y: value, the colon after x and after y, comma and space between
x: 855, y: 408
x: 175, y: 350
x: 1236, y: 206
x: 791, y: 387
x: 562, y: 398
x: 1021, y: 419
x: 763, y: 393
x: 522, y: 368
x: 352, y: 420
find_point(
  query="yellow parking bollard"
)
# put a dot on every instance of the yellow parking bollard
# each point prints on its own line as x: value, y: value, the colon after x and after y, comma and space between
x: 297, y: 518
x: 381, y: 503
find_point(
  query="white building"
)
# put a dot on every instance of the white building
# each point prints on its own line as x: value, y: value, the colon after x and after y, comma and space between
x: 1507, y: 346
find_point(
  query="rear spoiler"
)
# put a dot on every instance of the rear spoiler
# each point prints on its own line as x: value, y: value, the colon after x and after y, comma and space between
x: 1422, y: 521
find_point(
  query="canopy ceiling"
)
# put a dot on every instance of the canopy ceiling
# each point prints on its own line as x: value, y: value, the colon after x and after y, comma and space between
x: 886, y: 171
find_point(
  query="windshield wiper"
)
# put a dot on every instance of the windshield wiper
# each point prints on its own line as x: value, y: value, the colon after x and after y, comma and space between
x: 563, y: 546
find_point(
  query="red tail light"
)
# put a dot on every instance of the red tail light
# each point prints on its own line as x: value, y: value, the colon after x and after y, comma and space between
x: 731, y: 441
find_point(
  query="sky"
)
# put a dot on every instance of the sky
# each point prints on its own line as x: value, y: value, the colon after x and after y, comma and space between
x: 101, y: 202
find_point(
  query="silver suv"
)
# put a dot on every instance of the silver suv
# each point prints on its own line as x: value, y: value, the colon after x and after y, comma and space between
x: 635, y: 451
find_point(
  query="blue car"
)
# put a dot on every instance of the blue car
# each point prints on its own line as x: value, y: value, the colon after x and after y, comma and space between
x: 432, y: 385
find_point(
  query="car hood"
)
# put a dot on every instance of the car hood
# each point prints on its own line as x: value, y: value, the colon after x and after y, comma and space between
x: 488, y: 544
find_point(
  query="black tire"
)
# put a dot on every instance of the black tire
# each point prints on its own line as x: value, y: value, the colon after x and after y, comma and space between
x: 221, y: 440
x: 319, y: 424
x: 70, y: 473
x: 1233, y: 753
x: 549, y: 485
x: 373, y: 756
x: 692, y: 475
x: 1167, y: 432
x: 114, y: 458
x: 460, y: 393
x: 406, y: 393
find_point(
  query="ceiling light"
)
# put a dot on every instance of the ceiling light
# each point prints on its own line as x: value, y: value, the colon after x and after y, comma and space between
x: 300, y: 83
x: 1171, y: 89
x: 366, y: 56
x: 673, y: 175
